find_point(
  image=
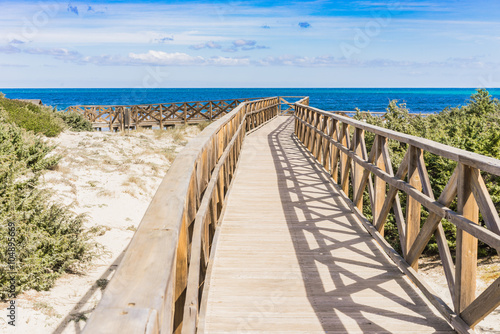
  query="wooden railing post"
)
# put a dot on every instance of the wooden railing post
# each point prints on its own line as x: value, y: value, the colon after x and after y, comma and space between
x: 344, y: 166
x: 466, y: 254
x: 161, y: 117
x: 357, y: 173
x: 379, y: 186
x: 334, y: 152
x: 185, y: 113
x: 412, y: 205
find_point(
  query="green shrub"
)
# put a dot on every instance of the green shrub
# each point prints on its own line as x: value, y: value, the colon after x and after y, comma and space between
x: 474, y: 127
x: 42, y: 119
x: 49, y: 239
x: 75, y: 121
x: 31, y: 117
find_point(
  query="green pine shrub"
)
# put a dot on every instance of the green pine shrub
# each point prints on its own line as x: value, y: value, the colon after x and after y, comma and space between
x: 474, y: 127
x: 42, y: 119
x: 75, y: 121
x: 49, y: 238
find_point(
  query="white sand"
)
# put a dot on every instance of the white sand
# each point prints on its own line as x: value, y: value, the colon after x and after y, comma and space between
x: 111, y: 177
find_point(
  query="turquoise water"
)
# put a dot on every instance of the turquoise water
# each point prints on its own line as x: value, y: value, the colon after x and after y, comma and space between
x: 419, y: 100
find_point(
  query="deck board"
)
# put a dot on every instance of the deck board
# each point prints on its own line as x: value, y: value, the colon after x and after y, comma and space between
x: 292, y: 258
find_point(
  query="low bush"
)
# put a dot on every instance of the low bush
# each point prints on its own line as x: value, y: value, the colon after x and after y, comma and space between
x: 474, y: 127
x: 75, y: 121
x: 42, y: 239
x: 42, y: 119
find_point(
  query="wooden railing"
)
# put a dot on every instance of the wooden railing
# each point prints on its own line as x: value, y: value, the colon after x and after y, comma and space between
x: 121, y: 117
x: 159, y: 284
x: 338, y: 143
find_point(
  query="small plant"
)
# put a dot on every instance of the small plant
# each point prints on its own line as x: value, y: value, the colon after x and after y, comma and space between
x: 203, y: 125
x: 77, y: 317
x: 169, y: 153
x: 45, y: 309
x: 99, y: 230
x: 75, y: 121
x: 131, y: 228
x: 102, y: 283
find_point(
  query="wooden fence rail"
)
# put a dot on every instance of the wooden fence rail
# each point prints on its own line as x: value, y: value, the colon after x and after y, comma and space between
x: 338, y: 143
x: 163, y: 114
x: 159, y: 284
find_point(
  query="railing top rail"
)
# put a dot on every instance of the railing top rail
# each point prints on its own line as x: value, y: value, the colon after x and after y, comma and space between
x: 183, y: 102
x: 146, y: 284
x: 482, y: 162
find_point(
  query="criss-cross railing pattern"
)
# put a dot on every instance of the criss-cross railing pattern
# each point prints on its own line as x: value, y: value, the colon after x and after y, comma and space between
x: 338, y: 143
x: 162, y: 114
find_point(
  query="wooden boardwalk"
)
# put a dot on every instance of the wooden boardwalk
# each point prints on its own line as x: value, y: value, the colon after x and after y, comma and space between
x: 291, y: 257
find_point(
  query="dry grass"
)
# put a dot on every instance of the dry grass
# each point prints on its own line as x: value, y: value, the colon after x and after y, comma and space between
x: 203, y: 125
x: 130, y: 192
x: 489, y: 269
x: 99, y: 230
x: 178, y: 134
x: 106, y: 193
x: 169, y: 153
x: 45, y: 308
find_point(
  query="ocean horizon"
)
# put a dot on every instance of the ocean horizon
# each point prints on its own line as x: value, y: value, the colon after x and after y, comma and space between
x: 418, y: 100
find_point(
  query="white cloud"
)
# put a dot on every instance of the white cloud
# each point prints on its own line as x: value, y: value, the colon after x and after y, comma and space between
x: 182, y: 59
x: 164, y: 58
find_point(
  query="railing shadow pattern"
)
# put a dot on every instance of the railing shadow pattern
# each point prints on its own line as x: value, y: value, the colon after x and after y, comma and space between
x: 338, y: 143
x: 306, y: 193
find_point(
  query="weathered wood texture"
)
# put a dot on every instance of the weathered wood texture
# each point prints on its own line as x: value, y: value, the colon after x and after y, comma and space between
x: 164, y: 114
x: 157, y: 286
x: 291, y: 256
x: 466, y: 185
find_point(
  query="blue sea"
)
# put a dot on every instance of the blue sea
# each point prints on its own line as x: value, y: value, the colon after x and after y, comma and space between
x: 418, y: 100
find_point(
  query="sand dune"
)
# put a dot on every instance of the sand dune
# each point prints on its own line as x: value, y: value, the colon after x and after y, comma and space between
x: 111, y: 177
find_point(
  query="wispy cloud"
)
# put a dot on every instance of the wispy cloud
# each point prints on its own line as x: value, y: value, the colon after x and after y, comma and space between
x: 207, y: 45
x: 244, y: 42
x: 73, y: 9
x: 304, y: 25
x: 16, y: 41
x: 14, y: 65
x: 245, y: 45
x: 163, y: 39
x: 265, y: 26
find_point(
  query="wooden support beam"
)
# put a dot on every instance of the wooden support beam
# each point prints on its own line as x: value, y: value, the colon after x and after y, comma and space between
x: 380, y: 185
x: 413, y: 205
x: 466, y: 254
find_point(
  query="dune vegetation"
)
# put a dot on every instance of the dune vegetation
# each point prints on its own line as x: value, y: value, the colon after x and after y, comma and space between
x: 474, y: 127
x: 39, y: 240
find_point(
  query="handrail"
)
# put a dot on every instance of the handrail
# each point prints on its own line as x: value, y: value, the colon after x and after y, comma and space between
x: 343, y: 153
x: 158, y: 284
x: 150, y: 104
x: 121, y: 117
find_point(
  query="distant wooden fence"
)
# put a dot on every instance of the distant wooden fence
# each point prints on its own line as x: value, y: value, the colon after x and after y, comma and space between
x: 159, y: 285
x: 164, y: 114
x: 338, y: 144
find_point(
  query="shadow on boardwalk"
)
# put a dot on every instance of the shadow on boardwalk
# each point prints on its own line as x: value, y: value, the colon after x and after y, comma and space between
x: 350, y: 283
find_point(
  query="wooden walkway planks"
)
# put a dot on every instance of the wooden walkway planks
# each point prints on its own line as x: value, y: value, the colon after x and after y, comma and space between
x: 292, y: 258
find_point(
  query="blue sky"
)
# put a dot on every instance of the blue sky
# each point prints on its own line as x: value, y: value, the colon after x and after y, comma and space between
x: 155, y: 44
